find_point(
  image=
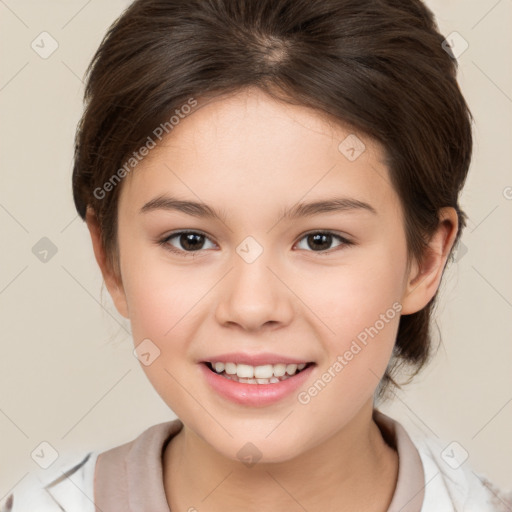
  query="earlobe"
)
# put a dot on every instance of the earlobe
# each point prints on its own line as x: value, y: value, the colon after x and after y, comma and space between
x: 112, y: 281
x: 424, y: 279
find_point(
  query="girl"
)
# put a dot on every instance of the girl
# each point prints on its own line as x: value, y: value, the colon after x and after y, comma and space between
x: 271, y: 189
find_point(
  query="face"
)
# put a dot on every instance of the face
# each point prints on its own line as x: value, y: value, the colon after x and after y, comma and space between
x: 254, y: 285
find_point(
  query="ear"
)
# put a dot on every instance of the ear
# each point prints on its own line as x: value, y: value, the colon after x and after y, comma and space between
x: 112, y: 280
x: 423, y: 279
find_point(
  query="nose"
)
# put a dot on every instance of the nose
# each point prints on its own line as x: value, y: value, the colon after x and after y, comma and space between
x: 254, y: 295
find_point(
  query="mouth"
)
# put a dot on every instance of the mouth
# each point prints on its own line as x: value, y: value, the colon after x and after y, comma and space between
x: 258, y: 375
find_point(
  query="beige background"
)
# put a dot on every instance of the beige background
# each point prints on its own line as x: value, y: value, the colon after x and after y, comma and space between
x: 67, y: 373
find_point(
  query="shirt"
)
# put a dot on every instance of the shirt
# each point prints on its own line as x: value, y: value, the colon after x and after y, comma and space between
x: 432, y: 477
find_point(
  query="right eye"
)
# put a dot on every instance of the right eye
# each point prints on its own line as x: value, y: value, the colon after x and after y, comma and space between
x: 190, y: 242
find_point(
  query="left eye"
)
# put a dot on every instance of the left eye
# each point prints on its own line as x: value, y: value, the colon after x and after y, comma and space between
x: 321, y: 239
x: 192, y: 241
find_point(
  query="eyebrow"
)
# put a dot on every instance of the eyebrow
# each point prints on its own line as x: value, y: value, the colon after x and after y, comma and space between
x: 202, y: 210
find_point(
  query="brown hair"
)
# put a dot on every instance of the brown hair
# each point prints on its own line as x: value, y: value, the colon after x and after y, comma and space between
x: 378, y: 66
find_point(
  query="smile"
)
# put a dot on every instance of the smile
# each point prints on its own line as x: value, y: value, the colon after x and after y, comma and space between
x: 251, y: 386
x: 264, y: 374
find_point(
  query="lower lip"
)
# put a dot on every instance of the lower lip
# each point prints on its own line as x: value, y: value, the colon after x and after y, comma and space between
x: 254, y: 394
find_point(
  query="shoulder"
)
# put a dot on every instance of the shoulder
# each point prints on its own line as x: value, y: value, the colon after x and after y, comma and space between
x: 67, y: 485
x: 451, y: 484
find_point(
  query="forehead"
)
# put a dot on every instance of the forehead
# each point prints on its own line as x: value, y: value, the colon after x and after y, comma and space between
x: 252, y: 150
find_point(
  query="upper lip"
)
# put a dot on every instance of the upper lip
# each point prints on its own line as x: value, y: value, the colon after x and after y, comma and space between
x: 254, y: 359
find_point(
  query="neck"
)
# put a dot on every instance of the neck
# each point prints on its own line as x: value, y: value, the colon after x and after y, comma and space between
x: 355, y: 469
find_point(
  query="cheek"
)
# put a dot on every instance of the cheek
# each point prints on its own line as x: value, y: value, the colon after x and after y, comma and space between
x: 356, y: 356
x: 359, y: 308
x: 351, y: 297
x: 164, y: 305
x: 161, y: 295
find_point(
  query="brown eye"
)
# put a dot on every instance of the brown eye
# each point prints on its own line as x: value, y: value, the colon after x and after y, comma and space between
x: 321, y: 241
x: 186, y: 242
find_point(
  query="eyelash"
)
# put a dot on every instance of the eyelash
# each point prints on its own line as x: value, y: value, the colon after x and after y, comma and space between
x: 165, y: 242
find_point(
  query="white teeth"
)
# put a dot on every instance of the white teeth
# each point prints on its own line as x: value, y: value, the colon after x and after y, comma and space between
x: 245, y: 371
x: 248, y: 381
x: 230, y: 368
x: 264, y: 374
x: 272, y: 380
x: 279, y: 370
x: 291, y: 369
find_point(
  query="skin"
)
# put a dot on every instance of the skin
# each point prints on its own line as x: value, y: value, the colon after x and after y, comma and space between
x: 249, y: 156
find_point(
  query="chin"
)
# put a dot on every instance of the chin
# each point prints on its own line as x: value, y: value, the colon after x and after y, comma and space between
x: 251, y: 450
